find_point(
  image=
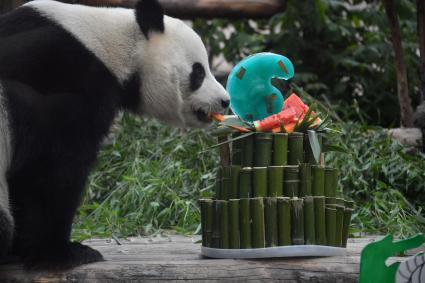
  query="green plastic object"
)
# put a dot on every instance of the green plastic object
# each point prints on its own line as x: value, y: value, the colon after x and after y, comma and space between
x: 252, y: 95
x: 373, y: 268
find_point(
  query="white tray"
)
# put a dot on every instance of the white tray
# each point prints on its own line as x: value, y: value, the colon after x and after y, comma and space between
x: 284, y: 251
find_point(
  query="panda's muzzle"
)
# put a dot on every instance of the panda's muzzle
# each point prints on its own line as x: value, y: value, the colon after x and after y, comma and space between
x: 203, y: 116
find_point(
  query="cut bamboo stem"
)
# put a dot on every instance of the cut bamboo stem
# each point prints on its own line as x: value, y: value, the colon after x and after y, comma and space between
x: 284, y: 219
x: 275, y: 184
x: 318, y: 180
x: 305, y: 180
x: 280, y: 149
x: 330, y: 225
x: 245, y: 223
x: 234, y: 235
x: 309, y: 223
x: 309, y: 156
x: 291, y: 181
x: 234, y: 191
x: 297, y: 220
x: 320, y: 221
x: 224, y: 151
x: 330, y: 200
x: 295, y: 148
x: 245, y: 182
x: 259, y: 183
x: 258, y: 229
x: 216, y: 226
x: 236, y: 150
x: 349, y: 203
x: 223, y: 219
x: 271, y: 222
x: 346, y: 225
x: 219, y: 183
x: 227, y: 183
x: 248, y: 151
x: 207, y: 214
x: 339, y: 225
x: 331, y: 181
x: 263, y: 149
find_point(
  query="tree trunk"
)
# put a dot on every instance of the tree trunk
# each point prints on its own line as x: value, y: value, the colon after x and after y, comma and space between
x: 420, y: 5
x: 406, y: 110
x: 190, y: 9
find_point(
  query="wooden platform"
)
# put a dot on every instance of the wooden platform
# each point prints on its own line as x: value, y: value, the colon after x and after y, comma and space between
x: 177, y: 258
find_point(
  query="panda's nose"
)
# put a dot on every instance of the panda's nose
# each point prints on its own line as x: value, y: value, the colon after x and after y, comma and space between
x: 225, y: 103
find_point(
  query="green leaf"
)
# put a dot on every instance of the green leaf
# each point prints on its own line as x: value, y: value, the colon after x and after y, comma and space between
x: 314, y: 144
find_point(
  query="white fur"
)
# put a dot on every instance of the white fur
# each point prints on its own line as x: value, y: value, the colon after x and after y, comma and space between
x: 4, y: 153
x: 164, y: 61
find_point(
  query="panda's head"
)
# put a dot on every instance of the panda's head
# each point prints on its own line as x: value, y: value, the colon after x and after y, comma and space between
x: 177, y: 85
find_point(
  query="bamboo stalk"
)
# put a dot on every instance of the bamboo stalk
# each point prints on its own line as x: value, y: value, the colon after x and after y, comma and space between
x: 331, y: 181
x: 219, y: 183
x: 309, y: 156
x: 318, y: 180
x: 291, y: 181
x: 330, y: 200
x: 236, y: 150
x: 248, y: 151
x: 245, y: 223
x: 284, y: 221
x: 223, y: 219
x: 275, y: 181
x: 224, y: 151
x: 295, y: 148
x: 346, y: 225
x: 305, y: 180
x: 339, y: 225
x: 263, y: 149
x: 234, y: 190
x: 330, y: 225
x: 259, y: 186
x: 349, y: 203
x: 271, y: 228
x: 227, y: 183
x: 234, y: 235
x: 280, y: 149
x: 297, y: 220
x: 245, y: 182
x: 309, y: 223
x: 320, y: 220
x: 216, y: 226
x: 258, y: 229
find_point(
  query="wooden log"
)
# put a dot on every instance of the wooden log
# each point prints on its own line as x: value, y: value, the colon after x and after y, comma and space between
x: 189, y: 9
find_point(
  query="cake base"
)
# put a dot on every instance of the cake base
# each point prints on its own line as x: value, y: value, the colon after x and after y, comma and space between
x: 284, y: 251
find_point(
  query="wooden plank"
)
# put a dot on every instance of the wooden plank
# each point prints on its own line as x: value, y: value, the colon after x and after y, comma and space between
x: 177, y: 258
x: 189, y: 9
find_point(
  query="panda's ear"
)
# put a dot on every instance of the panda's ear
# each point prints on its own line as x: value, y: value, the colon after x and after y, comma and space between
x: 150, y: 16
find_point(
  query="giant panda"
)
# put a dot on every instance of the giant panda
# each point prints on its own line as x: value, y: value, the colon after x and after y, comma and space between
x: 65, y: 72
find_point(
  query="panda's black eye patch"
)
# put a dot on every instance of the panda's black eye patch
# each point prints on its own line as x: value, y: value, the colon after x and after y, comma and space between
x: 197, y: 76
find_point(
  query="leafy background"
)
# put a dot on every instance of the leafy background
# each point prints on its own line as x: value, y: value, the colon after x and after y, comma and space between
x: 149, y: 176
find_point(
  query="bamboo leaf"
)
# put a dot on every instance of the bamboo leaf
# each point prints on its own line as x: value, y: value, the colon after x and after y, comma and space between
x: 314, y: 144
x: 228, y: 141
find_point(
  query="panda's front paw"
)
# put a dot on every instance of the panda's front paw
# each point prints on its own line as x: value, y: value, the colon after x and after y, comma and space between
x: 74, y: 254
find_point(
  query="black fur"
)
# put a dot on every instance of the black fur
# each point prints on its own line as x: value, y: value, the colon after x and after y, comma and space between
x: 150, y: 16
x: 6, y: 232
x: 197, y: 76
x: 61, y: 101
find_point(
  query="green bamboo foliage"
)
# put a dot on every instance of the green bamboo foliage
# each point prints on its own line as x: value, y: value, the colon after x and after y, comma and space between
x: 275, y: 181
x: 258, y: 229
x: 320, y: 221
x: 263, y: 149
x: 284, y: 221
x: 295, y: 148
x: 236, y: 150
x: 245, y: 223
x: 309, y: 156
x: 291, y: 181
x: 259, y: 181
x: 305, y: 178
x: 346, y: 225
x: 245, y: 182
x: 331, y: 181
x: 349, y: 203
x: 330, y: 225
x: 297, y: 220
x: 309, y: 223
x: 223, y: 219
x: 270, y: 214
x: 339, y: 225
x: 234, y: 235
x: 248, y: 151
x: 280, y: 149
x: 234, y: 189
x: 318, y: 178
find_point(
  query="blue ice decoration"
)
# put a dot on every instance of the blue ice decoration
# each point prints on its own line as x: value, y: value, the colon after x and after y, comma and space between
x: 252, y: 95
